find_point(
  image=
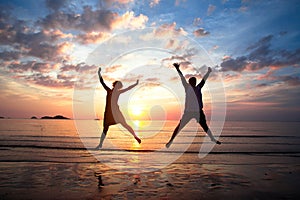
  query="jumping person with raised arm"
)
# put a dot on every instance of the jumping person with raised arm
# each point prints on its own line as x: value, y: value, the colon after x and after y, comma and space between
x: 193, y: 105
x: 112, y: 113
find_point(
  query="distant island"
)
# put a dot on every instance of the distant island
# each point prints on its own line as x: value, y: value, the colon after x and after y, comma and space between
x: 55, y: 117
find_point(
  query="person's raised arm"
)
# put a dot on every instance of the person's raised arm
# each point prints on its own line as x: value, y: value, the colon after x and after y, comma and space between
x: 130, y: 87
x: 101, y: 80
x: 176, y: 65
x: 201, y: 84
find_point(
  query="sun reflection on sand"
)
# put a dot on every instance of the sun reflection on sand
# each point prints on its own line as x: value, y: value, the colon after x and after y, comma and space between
x: 135, y: 145
x: 134, y: 159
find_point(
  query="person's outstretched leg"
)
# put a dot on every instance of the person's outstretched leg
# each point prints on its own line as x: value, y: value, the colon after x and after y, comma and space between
x: 202, y: 122
x: 178, y: 128
x: 212, y: 138
x: 103, y: 135
x: 131, y: 131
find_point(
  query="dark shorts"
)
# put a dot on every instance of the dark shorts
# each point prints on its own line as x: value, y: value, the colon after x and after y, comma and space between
x: 199, y: 116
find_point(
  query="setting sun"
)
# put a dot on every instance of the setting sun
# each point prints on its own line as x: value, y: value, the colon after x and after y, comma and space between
x: 136, y: 111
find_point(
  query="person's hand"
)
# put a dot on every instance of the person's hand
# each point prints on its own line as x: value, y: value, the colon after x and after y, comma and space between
x: 176, y: 65
x: 99, y: 70
x: 209, y: 69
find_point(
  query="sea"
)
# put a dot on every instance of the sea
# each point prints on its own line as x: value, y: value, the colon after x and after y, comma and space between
x: 57, y: 159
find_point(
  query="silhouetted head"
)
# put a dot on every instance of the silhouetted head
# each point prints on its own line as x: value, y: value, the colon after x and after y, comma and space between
x: 117, y: 84
x: 193, y: 81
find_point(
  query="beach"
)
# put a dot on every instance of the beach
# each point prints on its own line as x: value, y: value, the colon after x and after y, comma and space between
x: 51, y: 159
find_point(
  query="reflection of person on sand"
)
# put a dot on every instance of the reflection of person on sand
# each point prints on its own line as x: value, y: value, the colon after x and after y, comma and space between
x: 193, y: 106
x: 112, y: 114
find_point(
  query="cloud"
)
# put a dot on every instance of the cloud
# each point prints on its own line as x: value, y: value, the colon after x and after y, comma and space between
x: 55, y: 4
x: 154, y: 3
x: 232, y: 77
x: 111, y: 2
x: 243, y: 8
x: 197, y: 21
x: 237, y: 64
x: 113, y: 68
x: 290, y: 80
x: 168, y: 36
x: 211, y: 8
x: 178, y: 2
x: 200, y: 32
x: 89, y: 20
x: 129, y: 21
x: 30, y: 66
x: 168, y: 30
x: 48, y: 51
x: 183, y: 59
x: 129, y: 78
x: 22, y: 40
x: 150, y: 85
x: 60, y: 81
x: 272, y: 78
x: 54, y: 76
x: 80, y: 67
x: 172, y: 44
x: 262, y: 56
x: 92, y: 37
x: 10, y: 55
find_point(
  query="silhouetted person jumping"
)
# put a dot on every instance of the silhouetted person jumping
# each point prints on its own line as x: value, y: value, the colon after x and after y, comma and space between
x: 112, y: 113
x: 193, y: 105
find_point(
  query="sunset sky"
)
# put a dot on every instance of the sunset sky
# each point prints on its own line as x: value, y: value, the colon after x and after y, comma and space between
x: 50, y: 47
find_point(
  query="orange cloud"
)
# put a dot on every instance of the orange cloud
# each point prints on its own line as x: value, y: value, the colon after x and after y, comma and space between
x: 128, y: 20
x: 169, y: 29
x: 57, y: 34
x: 65, y: 47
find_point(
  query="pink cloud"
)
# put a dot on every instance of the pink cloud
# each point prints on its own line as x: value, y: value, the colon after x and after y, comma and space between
x: 93, y: 37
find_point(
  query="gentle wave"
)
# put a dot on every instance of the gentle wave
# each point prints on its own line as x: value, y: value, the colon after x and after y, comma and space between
x: 196, y: 136
x: 144, y: 150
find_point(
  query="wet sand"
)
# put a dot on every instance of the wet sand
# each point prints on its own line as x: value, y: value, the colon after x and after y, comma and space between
x: 217, y: 176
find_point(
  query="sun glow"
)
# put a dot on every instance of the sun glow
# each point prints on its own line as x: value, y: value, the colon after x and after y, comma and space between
x: 136, y: 111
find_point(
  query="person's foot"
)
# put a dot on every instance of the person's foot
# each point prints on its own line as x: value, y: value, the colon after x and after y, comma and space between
x: 138, y: 140
x: 99, y: 146
x: 168, y: 144
x: 216, y: 141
